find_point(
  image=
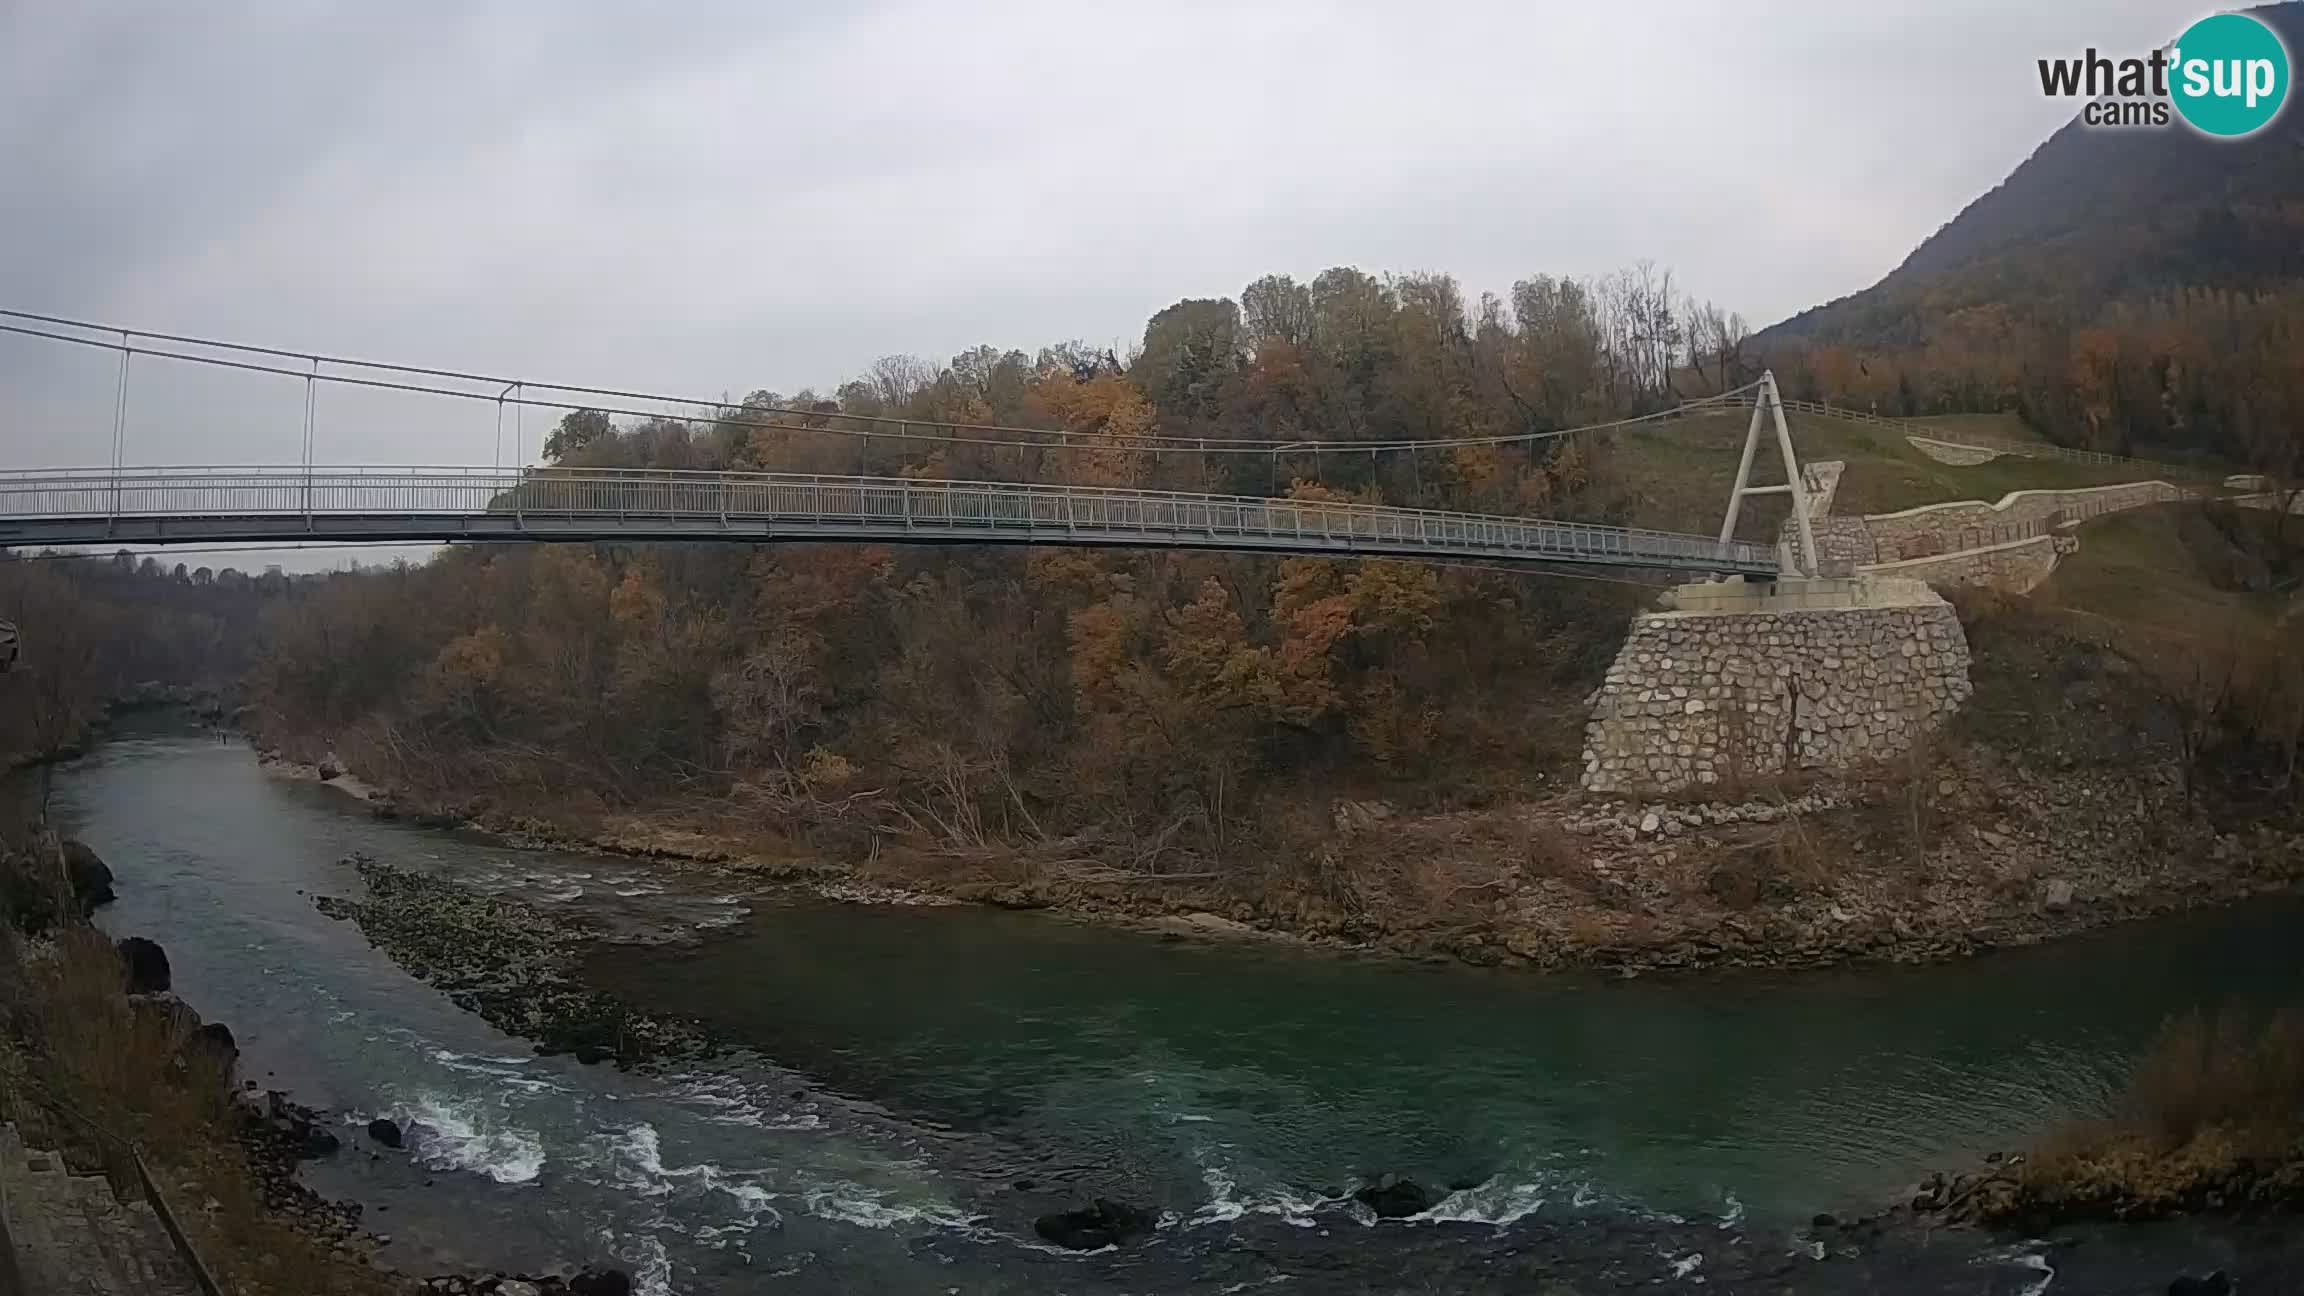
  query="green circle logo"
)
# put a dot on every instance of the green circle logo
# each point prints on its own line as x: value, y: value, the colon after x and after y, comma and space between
x: 2228, y: 75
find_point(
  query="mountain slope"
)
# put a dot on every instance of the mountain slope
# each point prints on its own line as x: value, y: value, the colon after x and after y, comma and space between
x: 2097, y: 215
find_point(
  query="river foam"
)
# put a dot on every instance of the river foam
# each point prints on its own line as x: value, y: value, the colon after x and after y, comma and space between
x: 448, y: 1135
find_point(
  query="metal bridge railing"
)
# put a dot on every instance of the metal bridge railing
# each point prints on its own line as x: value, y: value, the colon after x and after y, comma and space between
x: 128, y: 1173
x: 756, y: 504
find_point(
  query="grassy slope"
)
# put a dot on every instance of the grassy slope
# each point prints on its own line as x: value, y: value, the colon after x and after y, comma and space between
x: 1998, y: 427
x: 2143, y: 567
x: 1674, y: 475
x: 2152, y: 580
x: 2167, y: 587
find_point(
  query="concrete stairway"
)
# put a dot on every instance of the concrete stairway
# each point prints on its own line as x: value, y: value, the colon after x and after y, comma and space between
x: 73, y: 1238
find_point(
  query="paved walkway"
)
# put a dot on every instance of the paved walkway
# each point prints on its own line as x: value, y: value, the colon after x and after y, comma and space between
x: 72, y: 1237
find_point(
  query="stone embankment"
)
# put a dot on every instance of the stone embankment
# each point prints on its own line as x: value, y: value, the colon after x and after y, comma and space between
x: 1934, y: 529
x: 70, y: 1233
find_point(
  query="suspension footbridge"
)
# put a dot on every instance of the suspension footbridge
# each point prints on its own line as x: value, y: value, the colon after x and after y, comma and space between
x: 124, y: 504
x: 291, y: 505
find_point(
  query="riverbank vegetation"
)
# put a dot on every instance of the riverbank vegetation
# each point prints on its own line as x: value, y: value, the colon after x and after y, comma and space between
x: 87, y: 1068
x: 2211, y: 1117
x: 1369, y: 751
x: 1167, y: 706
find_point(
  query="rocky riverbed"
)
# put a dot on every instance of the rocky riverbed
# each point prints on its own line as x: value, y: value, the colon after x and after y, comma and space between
x: 1230, y: 1091
x: 1985, y: 856
x: 510, y: 962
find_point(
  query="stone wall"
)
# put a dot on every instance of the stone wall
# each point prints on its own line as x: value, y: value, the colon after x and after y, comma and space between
x: 1821, y: 480
x: 1842, y: 542
x: 1845, y: 542
x: 1947, y: 452
x: 2017, y: 567
x: 2273, y: 500
x: 1699, y: 697
x: 1971, y: 524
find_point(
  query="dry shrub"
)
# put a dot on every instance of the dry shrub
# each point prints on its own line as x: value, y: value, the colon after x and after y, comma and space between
x: 1450, y: 889
x: 1302, y: 869
x: 1549, y: 851
x: 1767, y: 864
x: 1639, y: 929
x: 1913, y: 776
x: 2230, y: 1072
x: 1797, y: 855
x: 1585, y: 928
x: 1740, y: 878
x: 1980, y: 604
x: 2212, y: 1115
x: 34, y: 895
x: 120, y: 1062
x: 2249, y: 685
x: 91, y: 1055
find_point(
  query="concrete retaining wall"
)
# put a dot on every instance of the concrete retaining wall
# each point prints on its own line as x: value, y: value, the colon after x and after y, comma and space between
x: 1947, y: 452
x: 1971, y: 524
x: 2018, y: 566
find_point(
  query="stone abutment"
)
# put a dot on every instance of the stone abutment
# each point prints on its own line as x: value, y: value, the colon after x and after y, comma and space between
x: 1737, y: 681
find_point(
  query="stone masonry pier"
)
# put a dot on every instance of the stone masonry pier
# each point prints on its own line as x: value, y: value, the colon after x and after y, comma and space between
x: 1734, y: 681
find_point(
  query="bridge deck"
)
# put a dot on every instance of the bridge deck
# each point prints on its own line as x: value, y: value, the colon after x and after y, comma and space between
x: 184, y: 505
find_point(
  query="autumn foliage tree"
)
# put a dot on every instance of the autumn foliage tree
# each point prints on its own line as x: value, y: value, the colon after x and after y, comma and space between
x: 963, y: 697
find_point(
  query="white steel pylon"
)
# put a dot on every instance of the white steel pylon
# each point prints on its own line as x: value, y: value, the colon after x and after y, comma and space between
x: 1767, y: 403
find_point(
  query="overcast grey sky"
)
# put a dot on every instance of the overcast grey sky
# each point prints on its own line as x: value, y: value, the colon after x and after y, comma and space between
x: 715, y: 197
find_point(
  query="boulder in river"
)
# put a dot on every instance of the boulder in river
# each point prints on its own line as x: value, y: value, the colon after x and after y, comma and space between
x: 170, y: 1014
x: 1102, y: 1223
x: 213, y: 1039
x: 315, y: 1142
x: 145, y: 965
x: 91, y: 880
x: 1394, y: 1198
x: 384, y: 1131
x: 600, y: 1282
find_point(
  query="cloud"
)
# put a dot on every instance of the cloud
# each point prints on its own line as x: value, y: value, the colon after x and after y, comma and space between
x: 719, y: 197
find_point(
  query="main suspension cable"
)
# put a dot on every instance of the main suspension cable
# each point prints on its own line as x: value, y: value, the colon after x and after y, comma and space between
x: 771, y: 417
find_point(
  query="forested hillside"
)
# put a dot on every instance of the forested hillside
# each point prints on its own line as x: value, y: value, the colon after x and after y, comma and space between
x: 96, y: 629
x: 969, y: 695
x: 2134, y: 290
x: 1164, y: 712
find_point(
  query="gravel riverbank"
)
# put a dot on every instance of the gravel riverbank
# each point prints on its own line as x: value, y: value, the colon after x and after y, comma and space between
x: 511, y: 963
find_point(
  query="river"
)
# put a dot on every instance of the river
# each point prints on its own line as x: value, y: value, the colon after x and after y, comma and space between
x: 917, y: 1083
